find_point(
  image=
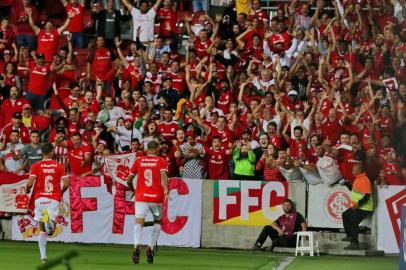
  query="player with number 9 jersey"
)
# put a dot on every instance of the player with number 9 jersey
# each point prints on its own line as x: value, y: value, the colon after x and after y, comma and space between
x: 149, y: 187
x: 48, y: 174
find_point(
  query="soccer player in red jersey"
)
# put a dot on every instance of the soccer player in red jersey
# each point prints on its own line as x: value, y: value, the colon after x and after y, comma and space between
x: 150, y: 189
x: 46, y: 176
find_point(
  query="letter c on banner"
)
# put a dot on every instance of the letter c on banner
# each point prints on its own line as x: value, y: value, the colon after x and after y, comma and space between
x: 173, y: 227
x: 79, y: 205
x: 276, y: 187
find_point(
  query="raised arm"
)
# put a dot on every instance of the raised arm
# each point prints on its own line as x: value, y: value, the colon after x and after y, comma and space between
x: 66, y: 24
x: 117, y: 42
x: 157, y: 4
x: 128, y: 5
x: 35, y: 28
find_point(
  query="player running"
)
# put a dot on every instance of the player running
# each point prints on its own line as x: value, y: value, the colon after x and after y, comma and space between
x: 151, y: 188
x: 47, y: 194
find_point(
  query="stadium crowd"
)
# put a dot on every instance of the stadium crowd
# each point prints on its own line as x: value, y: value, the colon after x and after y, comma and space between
x: 305, y: 94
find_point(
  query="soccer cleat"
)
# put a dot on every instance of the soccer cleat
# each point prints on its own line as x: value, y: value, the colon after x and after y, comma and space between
x: 150, y: 255
x: 136, y: 255
x: 45, y: 216
x: 44, y: 261
x: 256, y: 246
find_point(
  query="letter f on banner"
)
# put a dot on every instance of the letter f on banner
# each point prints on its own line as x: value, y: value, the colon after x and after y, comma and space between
x: 79, y: 205
x: 224, y: 198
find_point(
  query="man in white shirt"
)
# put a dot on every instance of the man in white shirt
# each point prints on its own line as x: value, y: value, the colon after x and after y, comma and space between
x: 8, y: 161
x: 144, y: 19
x: 124, y: 134
x: 114, y: 112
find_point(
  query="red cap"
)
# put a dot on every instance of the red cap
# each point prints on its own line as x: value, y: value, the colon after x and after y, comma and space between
x: 190, y: 132
x: 128, y: 118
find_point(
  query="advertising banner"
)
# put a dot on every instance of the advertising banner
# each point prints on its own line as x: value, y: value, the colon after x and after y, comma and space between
x: 90, y: 214
x: 249, y: 203
x: 402, y: 254
x: 391, y: 200
x: 326, y: 205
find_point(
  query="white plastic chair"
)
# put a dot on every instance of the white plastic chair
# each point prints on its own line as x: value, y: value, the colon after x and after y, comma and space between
x: 313, y: 243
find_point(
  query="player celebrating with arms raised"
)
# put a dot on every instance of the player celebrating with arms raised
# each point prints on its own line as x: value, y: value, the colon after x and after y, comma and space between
x: 151, y: 188
x: 47, y: 194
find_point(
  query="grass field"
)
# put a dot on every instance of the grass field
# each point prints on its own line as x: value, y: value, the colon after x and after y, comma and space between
x: 23, y: 255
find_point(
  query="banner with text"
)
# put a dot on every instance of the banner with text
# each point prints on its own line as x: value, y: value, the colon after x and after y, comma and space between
x: 391, y: 200
x: 249, y: 203
x: 12, y: 193
x: 90, y: 214
x: 326, y: 205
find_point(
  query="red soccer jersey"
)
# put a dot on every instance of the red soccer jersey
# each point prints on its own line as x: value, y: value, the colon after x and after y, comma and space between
x: 201, y: 47
x: 217, y: 164
x: 149, y: 187
x: 48, y: 175
x: 38, y: 83
x: 101, y: 63
x: 178, y: 81
x: 48, y: 44
x: 76, y: 156
x: 167, y: 21
x: 224, y: 101
x: 393, y: 173
x: 168, y: 130
x: 76, y: 23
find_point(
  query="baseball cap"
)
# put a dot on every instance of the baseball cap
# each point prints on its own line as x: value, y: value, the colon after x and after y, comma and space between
x: 128, y: 118
x: 190, y: 132
x: 292, y: 93
x: 17, y: 115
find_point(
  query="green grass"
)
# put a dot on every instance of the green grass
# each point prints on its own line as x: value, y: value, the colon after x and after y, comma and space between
x: 344, y: 263
x: 25, y: 255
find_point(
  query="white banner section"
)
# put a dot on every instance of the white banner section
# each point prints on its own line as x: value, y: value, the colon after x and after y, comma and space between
x: 97, y: 217
x: 13, y: 198
x: 390, y: 203
x: 326, y: 205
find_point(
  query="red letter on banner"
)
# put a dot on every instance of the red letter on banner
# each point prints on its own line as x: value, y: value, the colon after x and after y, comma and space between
x: 172, y: 227
x: 79, y: 205
x: 122, y: 207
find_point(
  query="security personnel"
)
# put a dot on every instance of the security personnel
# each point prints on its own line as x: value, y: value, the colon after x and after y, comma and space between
x: 361, y: 205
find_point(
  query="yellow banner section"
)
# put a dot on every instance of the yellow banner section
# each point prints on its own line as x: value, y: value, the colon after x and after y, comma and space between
x: 242, y: 6
x: 256, y: 218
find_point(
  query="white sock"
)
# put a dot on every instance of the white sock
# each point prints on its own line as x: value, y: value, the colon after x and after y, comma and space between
x: 155, y: 234
x: 42, y: 243
x: 137, y: 234
x: 49, y: 227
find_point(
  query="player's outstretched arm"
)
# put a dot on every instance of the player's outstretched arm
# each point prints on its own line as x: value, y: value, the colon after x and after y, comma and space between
x: 30, y: 183
x: 164, y: 182
x: 130, y: 180
x: 65, y: 183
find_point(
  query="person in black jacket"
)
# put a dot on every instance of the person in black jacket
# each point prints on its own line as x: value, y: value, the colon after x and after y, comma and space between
x: 108, y: 22
x: 169, y: 93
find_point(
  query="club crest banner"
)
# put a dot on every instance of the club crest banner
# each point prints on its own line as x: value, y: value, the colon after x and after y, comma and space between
x: 12, y: 193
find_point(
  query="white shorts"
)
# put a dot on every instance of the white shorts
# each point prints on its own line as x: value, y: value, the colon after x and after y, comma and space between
x: 141, y: 210
x: 52, y: 206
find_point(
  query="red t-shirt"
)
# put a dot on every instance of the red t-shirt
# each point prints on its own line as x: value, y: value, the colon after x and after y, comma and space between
x: 149, y: 187
x: 201, y: 47
x: 76, y: 156
x: 178, y: 81
x: 217, y: 164
x: 38, y: 83
x: 393, y: 173
x: 101, y: 63
x: 168, y: 130
x: 167, y: 21
x: 224, y: 101
x: 76, y: 23
x: 332, y: 131
x: 48, y: 44
x: 48, y: 175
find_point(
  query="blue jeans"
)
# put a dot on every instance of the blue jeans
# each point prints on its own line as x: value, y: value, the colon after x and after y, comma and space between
x: 200, y: 5
x: 37, y: 101
x: 29, y: 41
x: 78, y: 40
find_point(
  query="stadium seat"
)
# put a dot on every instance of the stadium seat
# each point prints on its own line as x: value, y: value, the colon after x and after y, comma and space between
x: 313, y: 243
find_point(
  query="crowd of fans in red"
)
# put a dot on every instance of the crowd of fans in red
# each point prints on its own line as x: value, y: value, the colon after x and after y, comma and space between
x: 319, y: 86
